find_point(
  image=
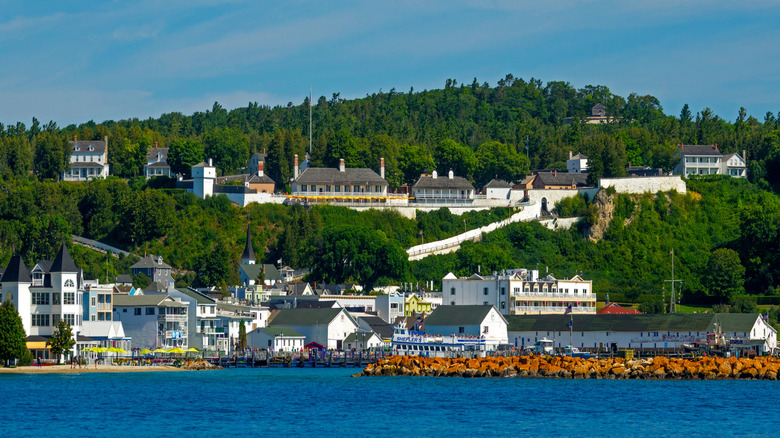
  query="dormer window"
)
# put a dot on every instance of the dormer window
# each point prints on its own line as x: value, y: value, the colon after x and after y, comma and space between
x: 68, y: 283
x: 77, y: 148
x: 91, y: 148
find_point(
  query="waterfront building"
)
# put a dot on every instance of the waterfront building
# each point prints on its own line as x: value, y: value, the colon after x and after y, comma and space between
x: 97, y: 301
x: 382, y: 328
x: 661, y: 331
x: 153, y: 321
x: 470, y: 320
x: 414, y: 304
x: 107, y: 334
x: 521, y: 291
x: 232, y: 315
x: 327, y: 327
x: 275, y: 339
x: 389, y: 306
x: 88, y: 160
x: 362, y: 340
x: 205, y: 331
x: 50, y: 292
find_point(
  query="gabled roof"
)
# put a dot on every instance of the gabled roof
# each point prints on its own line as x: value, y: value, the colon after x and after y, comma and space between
x: 256, y: 179
x: 701, y: 322
x: 86, y: 164
x: 64, y: 262
x: 202, y: 164
x: 563, y: 179
x: 305, y: 317
x: 280, y: 331
x: 729, y: 156
x: 146, y: 301
x: 197, y: 296
x: 498, y: 184
x: 327, y: 175
x: 249, y: 252
x: 151, y: 154
x: 443, y: 182
x: 253, y: 270
x: 16, y: 272
x: 458, y: 315
x: 44, y: 266
x: 98, y: 146
x: 617, y: 309
x: 360, y: 337
x: 579, y: 157
x: 150, y: 261
x: 379, y: 326
x: 693, y: 149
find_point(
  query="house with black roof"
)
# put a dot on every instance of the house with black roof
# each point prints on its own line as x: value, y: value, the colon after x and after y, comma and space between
x: 497, y: 189
x: 338, y: 185
x: 157, y: 162
x: 432, y: 188
x: 158, y: 271
x: 88, y: 160
x: 560, y: 180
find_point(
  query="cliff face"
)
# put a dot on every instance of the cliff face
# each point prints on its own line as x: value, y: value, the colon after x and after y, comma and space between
x: 605, y: 209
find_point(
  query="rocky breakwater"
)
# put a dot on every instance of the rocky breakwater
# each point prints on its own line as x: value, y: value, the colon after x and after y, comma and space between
x: 200, y: 365
x: 704, y: 368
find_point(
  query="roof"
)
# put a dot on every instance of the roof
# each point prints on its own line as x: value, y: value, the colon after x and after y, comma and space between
x: 86, y: 164
x: 298, y: 289
x: 149, y: 262
x: 280, y: 331
x: 197, y: 296
x: 617, y: 309
x: 379, y: 325
x: 692, y: 149
x: 253, y: 270
x: 202, y: 164
x: 579, y: 157
x: 354, y: 337
x: 151, y: 154
x: 701, y: 322
x: 143, y: 300
x: 327, y: 175
x: 64, y: 262
x: 120, y: 289
x: 498, y: 184
x: 249, y: 253
x: 16, y: 272
x: 304, y: 317
x: 729, y: 156
x: 233, y: 307
x: 124, y: 278
x: 599, y: 106
x: 458, y: 315
x: 563, y: 179
x: 429, y: 182
x: 256, y: 179
x: 158, y: 164
x: 98, y: 146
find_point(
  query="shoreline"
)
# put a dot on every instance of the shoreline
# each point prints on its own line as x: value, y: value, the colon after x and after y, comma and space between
x: 66, y: 369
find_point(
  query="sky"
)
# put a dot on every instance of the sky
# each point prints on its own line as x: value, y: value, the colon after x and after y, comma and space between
x: 76, y: 61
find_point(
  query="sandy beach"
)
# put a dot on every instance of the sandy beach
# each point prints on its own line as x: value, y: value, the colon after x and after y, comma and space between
x: 66, y: 368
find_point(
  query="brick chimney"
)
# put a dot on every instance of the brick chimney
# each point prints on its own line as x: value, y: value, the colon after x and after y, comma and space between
x: 382, y: 168
x: 341, y: 165
x: 716, y: 146
x: 295, y: 165
x: 555, y: 173
x: 260, y: 169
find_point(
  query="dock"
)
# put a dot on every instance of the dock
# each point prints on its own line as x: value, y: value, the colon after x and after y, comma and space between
x: 262, y: 359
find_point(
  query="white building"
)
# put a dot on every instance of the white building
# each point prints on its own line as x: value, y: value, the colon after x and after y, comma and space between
x: 52, y: 294
x: 157, y: 163
x: 497, y: 189
x: 88, y: 160
x: 734, y: 165
x: 662, y: 331
x: 327, y: 327
x: 363, y: 340
x: 520, y: 291
x: 338, y: 185
x: 275, y: 339
x: 577, y: 163
x: 389, y: 306
x: 434, y: 189
x: 153, y: 321
x: 204, y: 326
x: 471, y: 320
x: 708, y: 160
x: 203, y: 177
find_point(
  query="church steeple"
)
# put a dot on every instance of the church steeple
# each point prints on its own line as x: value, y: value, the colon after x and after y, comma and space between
x: 248, y: 257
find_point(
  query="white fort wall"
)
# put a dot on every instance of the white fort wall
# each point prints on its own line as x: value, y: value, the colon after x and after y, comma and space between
x: 651, y: 184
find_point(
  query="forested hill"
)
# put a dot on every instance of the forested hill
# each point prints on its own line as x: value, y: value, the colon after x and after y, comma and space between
x: 477, y: 129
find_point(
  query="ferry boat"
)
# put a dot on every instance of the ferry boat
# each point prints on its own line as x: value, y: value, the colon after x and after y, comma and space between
x: 414, y: 343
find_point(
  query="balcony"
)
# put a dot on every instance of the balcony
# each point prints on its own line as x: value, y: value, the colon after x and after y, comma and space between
x: 172, y: 318
x: 551, y: 310
x: 104, y: 307
x: 210, y: 330
x: 555, y: 295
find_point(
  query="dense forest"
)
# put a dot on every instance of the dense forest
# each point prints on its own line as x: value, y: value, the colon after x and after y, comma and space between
x: 478, y: 130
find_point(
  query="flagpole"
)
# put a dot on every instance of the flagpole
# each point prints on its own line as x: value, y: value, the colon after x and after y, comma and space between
x: 310, y: 120
x: 571, y: 329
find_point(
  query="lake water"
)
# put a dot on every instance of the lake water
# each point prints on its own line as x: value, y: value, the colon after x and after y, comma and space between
x: 328, y: 402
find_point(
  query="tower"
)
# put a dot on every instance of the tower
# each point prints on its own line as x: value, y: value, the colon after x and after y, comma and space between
x: 248, y: 257
x: 65, y: 282
x: 203, y: 176
x: 16, y: 283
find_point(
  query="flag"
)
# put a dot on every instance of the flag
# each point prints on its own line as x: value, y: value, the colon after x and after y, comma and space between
x: 568, y: 310
x: 671, y: 252
x: 570, y: 324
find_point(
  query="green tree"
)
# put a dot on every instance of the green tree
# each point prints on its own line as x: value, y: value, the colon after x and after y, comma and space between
x: 241, y: 335
x: 450, y: 154
x: 228, y: 147
x: 499, y: 160
x: 61, y: 341
x: 215, y: 267
x: 183, y: 154
x: 141, y: 281
x: 414, y: 161
x: 725, y: 274
x: 51, y: 155
x: 13, y: 340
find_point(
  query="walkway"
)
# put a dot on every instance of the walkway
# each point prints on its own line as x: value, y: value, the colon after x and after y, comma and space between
x: 97, y: 246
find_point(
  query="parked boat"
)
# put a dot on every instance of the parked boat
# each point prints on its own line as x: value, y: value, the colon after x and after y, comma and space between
x: 544, y: 346
x: 575, y: 352
x: 413, y: 343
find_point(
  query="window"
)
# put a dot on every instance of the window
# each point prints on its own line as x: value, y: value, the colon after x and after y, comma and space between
x: 69, y: 298
x: 485, y: 303
x: 461, y: 330
x: 41, y: 298
x: 68, y: 283
x: 94, y: 301
x: 91, y: 317
x: 40, y: 320
x: 452, y: 291
x: 70, y: 319
x: 452, y: 303
x: 503, y: 304
x: 55, y: 319
x: 503, y: 291
x: 137, y: 311
x: 55, y: 298
x: 485, y: 291
x: 124, y: 310
x: 150, y: 310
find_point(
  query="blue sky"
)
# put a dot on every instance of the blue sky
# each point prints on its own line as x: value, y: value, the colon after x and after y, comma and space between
x: 76, y: 61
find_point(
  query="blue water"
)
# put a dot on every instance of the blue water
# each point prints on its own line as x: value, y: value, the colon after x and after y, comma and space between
x: 327, y: 402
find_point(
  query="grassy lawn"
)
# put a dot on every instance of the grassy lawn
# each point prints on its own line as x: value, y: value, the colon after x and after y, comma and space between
x: 692, y: 309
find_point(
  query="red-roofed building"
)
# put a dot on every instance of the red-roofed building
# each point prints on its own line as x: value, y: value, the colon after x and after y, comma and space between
x: 617, y: 309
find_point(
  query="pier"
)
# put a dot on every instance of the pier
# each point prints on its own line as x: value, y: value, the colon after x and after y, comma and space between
x: 330, y: 359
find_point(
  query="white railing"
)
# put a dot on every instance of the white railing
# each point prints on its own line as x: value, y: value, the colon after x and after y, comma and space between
x: 556, y: 295
x: 546, y: 310
x: 105, y: 307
